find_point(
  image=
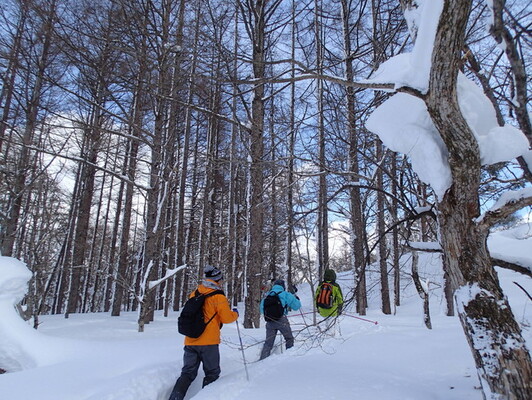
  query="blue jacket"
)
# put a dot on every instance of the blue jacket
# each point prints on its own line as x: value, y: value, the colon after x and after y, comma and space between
x: 288, y: 300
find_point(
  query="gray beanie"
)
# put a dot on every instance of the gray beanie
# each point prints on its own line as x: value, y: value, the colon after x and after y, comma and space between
x: 213, y: 273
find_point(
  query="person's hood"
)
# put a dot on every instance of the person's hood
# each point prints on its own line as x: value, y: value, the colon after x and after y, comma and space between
x: 277, y: 289
x: 329, y: 275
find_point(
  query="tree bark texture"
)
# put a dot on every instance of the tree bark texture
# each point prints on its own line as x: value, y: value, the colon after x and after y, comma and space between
x: 357, y: 226
x: 502, y: 359
x: 381, y: 227
x: 255, y: 240
x: 421, y: 290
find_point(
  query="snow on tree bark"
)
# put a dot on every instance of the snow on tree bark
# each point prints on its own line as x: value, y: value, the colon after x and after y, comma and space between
x: 503, y: 362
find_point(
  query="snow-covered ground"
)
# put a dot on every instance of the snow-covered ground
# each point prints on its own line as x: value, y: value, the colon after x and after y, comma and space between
x: 98, y: 357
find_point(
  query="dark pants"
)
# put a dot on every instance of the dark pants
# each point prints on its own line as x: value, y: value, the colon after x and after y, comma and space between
x: 192, y: 357
x: 272, y: 327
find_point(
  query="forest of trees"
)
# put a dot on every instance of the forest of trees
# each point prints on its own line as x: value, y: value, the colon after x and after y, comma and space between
x: 137, y: 136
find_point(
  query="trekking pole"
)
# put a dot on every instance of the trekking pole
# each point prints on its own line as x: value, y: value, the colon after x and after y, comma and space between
x: 362, y: 319
x: 242, y: 348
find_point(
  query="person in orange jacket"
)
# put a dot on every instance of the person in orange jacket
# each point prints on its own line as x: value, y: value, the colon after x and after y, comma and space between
x: 204, y: 349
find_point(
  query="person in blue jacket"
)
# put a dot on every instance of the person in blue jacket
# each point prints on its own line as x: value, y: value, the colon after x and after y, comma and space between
x: 288, y: 302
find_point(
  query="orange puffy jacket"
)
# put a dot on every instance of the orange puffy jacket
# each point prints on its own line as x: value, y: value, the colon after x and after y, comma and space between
x: 214, y: 304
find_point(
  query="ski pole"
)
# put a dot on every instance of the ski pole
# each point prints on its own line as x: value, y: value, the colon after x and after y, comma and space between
x: 242, y: 348
x: 363, y: 319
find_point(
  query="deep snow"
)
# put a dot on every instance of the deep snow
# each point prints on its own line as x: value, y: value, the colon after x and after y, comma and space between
x: 98, y: 357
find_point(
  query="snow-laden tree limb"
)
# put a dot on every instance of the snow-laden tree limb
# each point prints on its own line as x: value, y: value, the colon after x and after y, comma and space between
x: 522, y: 269
x: 427, y: 247
x: 507, y: 204
x: 169, y: 274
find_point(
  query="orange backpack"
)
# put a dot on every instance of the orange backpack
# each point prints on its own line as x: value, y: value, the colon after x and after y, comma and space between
x: 324, y: 299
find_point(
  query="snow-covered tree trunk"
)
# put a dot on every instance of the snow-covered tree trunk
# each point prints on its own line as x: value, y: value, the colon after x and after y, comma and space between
x: 502, y: 359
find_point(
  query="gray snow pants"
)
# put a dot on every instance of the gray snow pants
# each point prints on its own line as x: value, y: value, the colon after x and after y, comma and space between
x: 192, y: 357
x: 272, y: 327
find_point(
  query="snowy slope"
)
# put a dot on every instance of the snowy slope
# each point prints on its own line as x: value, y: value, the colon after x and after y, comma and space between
x: 98, y: 357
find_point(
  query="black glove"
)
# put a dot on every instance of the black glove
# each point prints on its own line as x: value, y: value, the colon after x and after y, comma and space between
x: 292, y: 289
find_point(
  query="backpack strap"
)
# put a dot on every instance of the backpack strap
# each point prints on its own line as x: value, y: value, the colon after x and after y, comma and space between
x: 277, y: 294
x: 218, y: 291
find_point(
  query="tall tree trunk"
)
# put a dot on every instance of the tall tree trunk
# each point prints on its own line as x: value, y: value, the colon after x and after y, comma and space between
x: 88, y: 170
x: 503, y: 361
x: 255, y: 240
x: 291, y: 156
x: 175, y: 246
x: 205, y: 251
x: 158, y: 192
x: 7, y: 240
x: 273, y: 242
x: 113, y: 248
x: 395, y: 234
x: 383, y: 257
x: 232, y: 211
x: 185, y: 159
x: 356, y: 220
x: 121, y: 282
x: 323, y: 220
x: 8, y: 83
x: 154, y: 216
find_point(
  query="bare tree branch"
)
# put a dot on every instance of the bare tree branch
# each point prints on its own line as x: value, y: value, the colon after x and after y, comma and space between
x: 509, y: 203
x: 511, y: 266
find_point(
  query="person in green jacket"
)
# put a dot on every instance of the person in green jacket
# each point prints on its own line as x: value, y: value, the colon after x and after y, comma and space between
x: 328, y: 298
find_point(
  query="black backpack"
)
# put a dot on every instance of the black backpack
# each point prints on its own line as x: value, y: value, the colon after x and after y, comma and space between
x: 273, y: 308
x: 324, y: 299
x: 190, y: 322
